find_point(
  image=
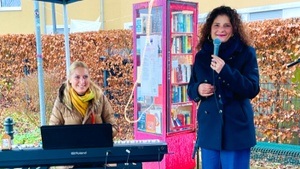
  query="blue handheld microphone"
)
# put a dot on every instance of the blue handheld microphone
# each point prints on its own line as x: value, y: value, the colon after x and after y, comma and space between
x: 217, y: 43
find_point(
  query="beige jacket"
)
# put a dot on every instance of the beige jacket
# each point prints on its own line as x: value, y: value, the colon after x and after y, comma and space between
x: 102, y: 110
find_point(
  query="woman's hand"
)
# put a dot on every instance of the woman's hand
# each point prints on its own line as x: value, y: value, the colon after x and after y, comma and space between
x: 206, y: 89
x: 217, y: 63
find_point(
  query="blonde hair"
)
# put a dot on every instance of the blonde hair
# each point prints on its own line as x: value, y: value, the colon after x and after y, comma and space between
x: 93, y: 86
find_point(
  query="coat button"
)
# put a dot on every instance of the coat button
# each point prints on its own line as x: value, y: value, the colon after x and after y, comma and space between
x: 220, y: 111
x: 220, y: 78
x: 223, y: 81
x: 205, y: 112
x: 219, y: 96
x: 205, y: 80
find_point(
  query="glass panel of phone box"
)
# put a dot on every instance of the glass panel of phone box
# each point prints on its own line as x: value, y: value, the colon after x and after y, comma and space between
x: 150, y: 71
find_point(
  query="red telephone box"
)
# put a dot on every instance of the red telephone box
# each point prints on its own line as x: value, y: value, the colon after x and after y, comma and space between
x: 164, y: 39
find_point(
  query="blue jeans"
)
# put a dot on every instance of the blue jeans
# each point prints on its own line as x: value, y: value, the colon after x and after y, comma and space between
x: 222, y: 159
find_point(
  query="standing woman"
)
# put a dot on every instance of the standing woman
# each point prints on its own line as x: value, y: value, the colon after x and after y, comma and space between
x: 81, y: 101
x: 223, y: 86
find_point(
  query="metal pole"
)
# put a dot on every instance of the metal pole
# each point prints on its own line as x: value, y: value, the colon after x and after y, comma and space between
x: 44, y: 17
x: 39, y: 62
x: 53, y: 19
x: 66, y: 33
x: 102, y: 14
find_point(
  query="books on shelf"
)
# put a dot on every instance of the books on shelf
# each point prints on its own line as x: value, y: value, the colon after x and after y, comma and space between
x: 181, y: 73
x: 182, y: 44
x: 179, y: 94
x: 181, y: 53
x: 179, y: 118
x: 189, y: 22
x: 182, y: 21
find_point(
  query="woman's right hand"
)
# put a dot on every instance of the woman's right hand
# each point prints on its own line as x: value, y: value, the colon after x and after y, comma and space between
x: 206, y: 89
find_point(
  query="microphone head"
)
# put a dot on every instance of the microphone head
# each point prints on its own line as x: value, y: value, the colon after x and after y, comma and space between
x: 217, y: 41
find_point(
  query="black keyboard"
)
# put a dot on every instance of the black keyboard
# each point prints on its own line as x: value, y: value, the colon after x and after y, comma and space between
x: 122, y: 152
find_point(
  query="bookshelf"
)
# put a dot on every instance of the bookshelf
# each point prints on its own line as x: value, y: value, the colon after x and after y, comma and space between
x: 164, y: 40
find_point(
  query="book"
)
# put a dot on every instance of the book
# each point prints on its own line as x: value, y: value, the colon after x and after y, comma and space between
x: 139, y: 26
x: 158, y: 99
x: 150, y: 123
x: 184, y: 93
x: 179, y: 93
x: 180, y: 22
x: 142, y: 122
x: 153, y: 121
x: 184, y: 73
x: 178, y: 122
x: 175, y: 94
x: 189, y: 44
x: 189, y: 22
x: 158, y: 115
x: 187, y: 116
x: 179, y: 73
x: 188, y: 71
x: 178, y: 44
x: 173, y: 76
x: 184, y: 44
x: 181, y: 117
x: 174, y: 21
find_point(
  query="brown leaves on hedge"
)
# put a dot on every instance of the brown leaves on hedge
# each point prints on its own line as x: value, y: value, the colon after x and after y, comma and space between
x: 277, y: 44
x: 19, y: 52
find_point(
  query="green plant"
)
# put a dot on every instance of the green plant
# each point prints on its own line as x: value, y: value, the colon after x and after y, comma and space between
x: 31, y: 137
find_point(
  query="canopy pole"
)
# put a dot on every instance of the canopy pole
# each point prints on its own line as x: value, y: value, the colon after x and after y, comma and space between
x: 39, y: 62
x: 66, y: 34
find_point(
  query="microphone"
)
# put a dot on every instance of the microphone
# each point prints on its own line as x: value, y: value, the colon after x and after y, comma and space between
x: 128, y: 154
x: 217, y: 43
x: 293, y: 63
x: 106, y: 156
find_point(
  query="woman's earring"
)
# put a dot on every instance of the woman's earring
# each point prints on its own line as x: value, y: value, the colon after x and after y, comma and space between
x: 209, y: 38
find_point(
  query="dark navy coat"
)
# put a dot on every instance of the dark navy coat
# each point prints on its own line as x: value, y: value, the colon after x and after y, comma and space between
x: 225, y: 119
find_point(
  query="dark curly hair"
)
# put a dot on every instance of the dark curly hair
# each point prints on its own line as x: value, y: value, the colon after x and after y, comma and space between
x: 235, y: 20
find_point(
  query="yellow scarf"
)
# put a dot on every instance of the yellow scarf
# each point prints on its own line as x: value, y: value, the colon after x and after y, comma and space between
x: 81, y: 102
